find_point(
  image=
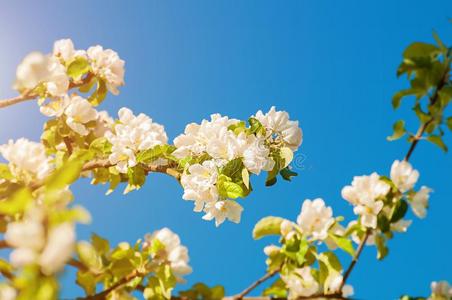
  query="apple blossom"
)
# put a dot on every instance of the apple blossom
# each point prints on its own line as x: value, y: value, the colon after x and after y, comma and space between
x: 131, y: 135
x: 401, y: 225
x: 173, y: 251
x: 37, y: 68
x: 315, y: 219
x: 301, y: 283
x: 65, y: 50
x: 7, y: 292
x: 419, y: 202
x: 222, y: 210
x: 278, y: 123
x: 256, y: 155
x: 26, y: 156
x: 286, y: 227
x: 78, y: 113
x: 270, y: 249
x: 364, y: 194
x: 199, y: 184
x: 441, y: 290
x: 107, y: 65
x: 403, y: 175
x: 59, y: 247
x: 197, y: 137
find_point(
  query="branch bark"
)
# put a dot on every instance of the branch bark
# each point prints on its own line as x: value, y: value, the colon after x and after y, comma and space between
x: 32, y: 95
x: 255, y: 284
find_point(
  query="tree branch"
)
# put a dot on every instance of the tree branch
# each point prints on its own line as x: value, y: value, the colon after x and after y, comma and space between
x: 31, y: 95
x: 354, y: 260
x: 424, y: 126
x: 256, y: 284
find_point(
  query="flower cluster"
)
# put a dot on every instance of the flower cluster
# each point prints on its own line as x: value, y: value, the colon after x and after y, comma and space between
x: 169, y: 250
x: 51, y: 75
x: 222, y: 152
x: 130, y: 135
x: 33, y: 243
x: 373, y: 194
x: 296, y: 258
x: 27, y: 160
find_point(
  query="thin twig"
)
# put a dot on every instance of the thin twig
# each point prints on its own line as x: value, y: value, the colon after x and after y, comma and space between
x: 3, y: 244
x: 355, y: 259
x: 77, y: 264
x: 31, y: 95
x: 425, y: 125
x: 256, y: 284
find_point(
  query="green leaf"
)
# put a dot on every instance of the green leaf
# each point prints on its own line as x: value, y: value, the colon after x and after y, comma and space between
x: 136, y: 178
x: 87, y: 281
x: 423, y: 117
x: 277, y: 289
x: 101, y: 245
x: 438, y: 141
x: 383, y: 223
x: 343, y: 243
x: 287, y: 174
x: 99, y: 95
x: 79, y: 67
x: 200, y: 291
x: 449, y: 123
x: 5, y: 173
x: 231, y: 190
x: 16, y: 203
x: 382, y: 250
x: 89, y: 257
x: 246, y: 178
x: 397, y: 98
x: 419, y: 49
x: 256, y: 127
x: 287, y: 156
x: 65, y: 175
x: 399, y: 211
x: 100, y: 146
x: 267, y: 226
x: 303, y: 249
x: 399, y: 130
x: 238, y: 127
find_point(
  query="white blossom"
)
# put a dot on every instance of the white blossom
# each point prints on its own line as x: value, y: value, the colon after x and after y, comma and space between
x: 104, y: 123
x: 26, y: 156
x: 131, y: 135
x: 107, y: 64
x: 286, y: 227
x: 333, y: 283
x: 78, y: 113
x: 55, y: 108
x: 65, y: 50
x: 270, y: 249
x: 315, y: 219
x: 419, y: 202
x: 365, y: 193
x: 174, y: 252
x: 256, y: 155
x: 441, y: 290
x: 59, y: 248
x: 222, y: 210
x: 403, y: 175
x: 197, y: 137
x: 401, y: 225
x: 7, y: 292
x: 226, y: 145
x: 37, y: 68
x: 278, y: 123
x: 199, y: 184
x: 301, y: 283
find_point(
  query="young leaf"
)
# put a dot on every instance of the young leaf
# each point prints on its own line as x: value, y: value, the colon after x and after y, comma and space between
x: 343, y: 243
x: 438, y: 141
x: 267, y: 226
x: 78, y: 68
x: 399, y: 130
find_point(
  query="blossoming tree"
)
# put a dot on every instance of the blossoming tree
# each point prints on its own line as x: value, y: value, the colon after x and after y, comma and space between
x: 214, y: 161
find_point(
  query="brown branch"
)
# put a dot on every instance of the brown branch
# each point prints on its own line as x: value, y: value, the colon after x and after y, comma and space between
x: 3, y: 244
x: 77, y: 264
x: 103, y: 295
x: 354, y: 260
x: 424, y: 126
x: 31, y: 95
x: 68, y: 142
x: 256, y: 284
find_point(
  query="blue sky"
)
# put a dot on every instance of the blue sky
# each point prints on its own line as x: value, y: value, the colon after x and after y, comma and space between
x: 330, y: 64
